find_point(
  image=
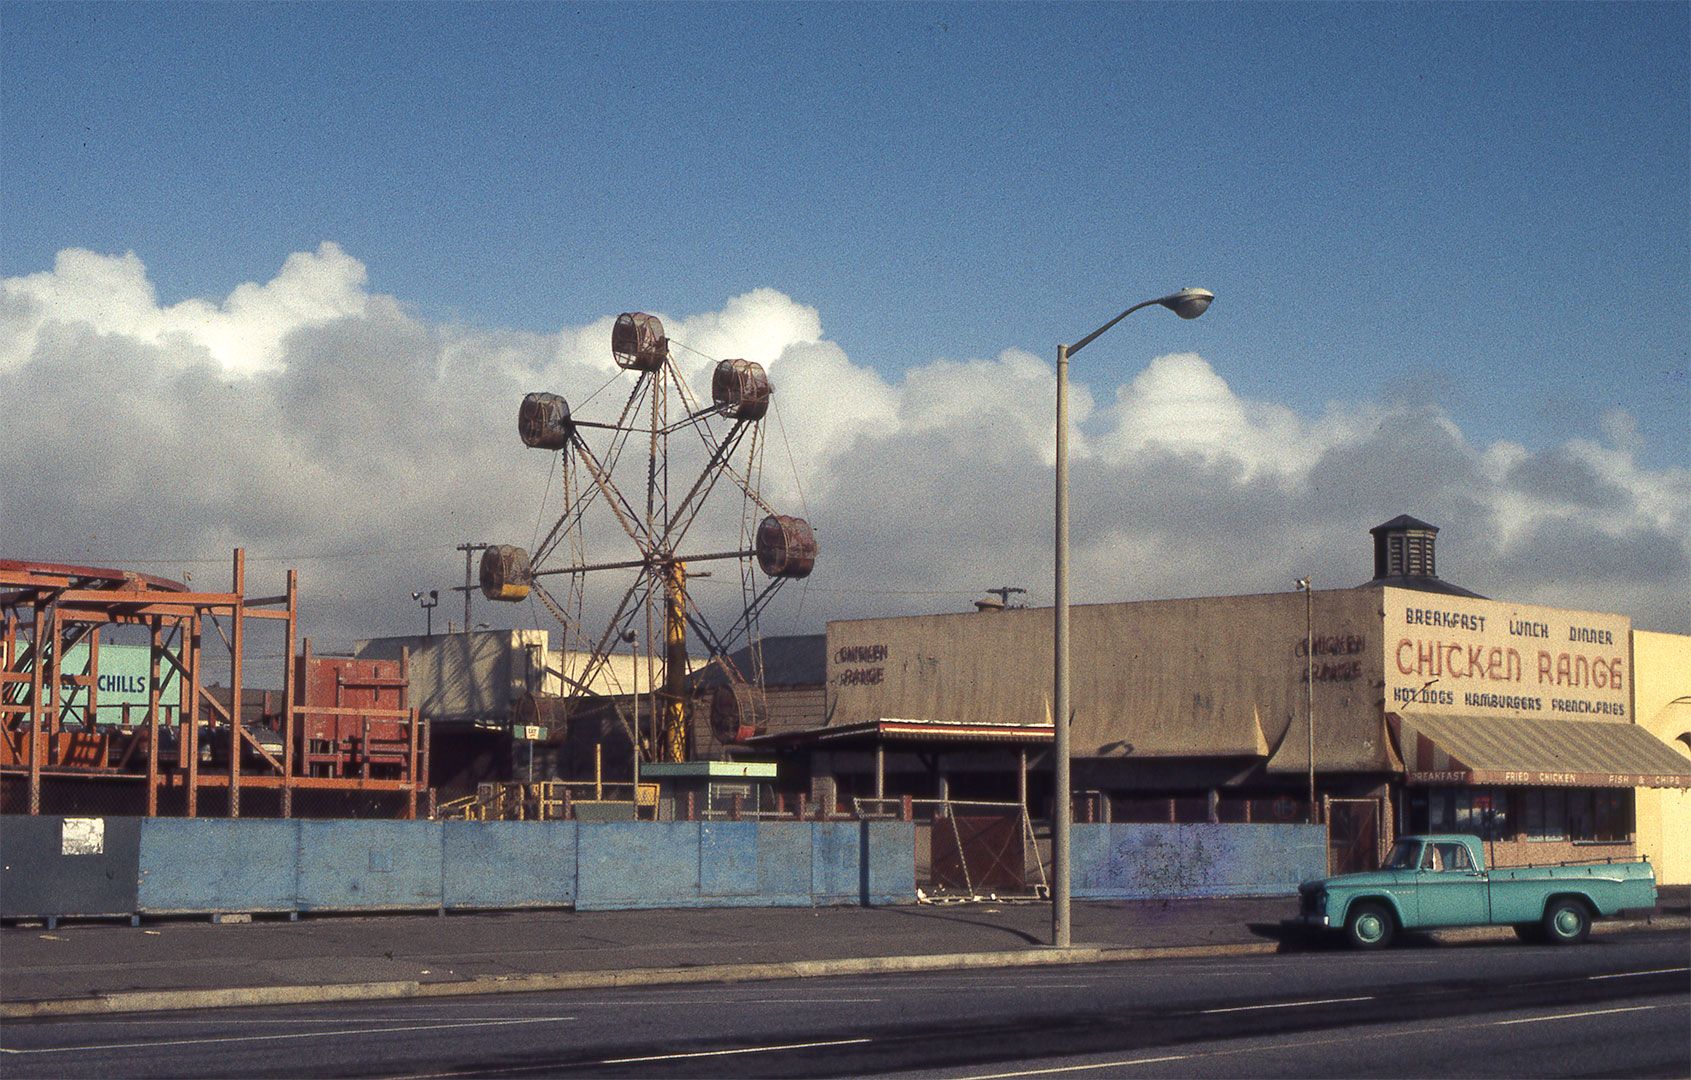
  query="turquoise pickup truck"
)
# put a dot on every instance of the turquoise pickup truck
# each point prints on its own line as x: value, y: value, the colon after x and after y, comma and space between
x: 1438, y: 881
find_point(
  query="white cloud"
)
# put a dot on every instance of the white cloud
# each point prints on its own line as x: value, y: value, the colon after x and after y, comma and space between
x: 324, y: 426
x: 243, y: 334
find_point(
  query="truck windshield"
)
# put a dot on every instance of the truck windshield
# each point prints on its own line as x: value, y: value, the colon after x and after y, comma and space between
x: 1402, y: 856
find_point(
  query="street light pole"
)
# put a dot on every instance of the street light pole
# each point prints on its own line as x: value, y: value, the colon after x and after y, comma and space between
x: 632, y: 636
x: 428, y: 607
x: 1308, y: 589
x: 1188, y: 304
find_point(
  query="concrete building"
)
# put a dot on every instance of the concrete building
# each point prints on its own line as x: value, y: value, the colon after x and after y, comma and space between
x: 1426, y: 705
x: 1661, y: 665
x: 793, y: 669
x: 472, y: 690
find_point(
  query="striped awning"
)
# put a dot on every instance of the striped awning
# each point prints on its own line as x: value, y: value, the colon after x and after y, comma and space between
x: 1557, y: 753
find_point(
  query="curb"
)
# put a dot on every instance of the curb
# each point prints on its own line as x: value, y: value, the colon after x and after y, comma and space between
x: 180, y: 1000
x: 177, y: 1000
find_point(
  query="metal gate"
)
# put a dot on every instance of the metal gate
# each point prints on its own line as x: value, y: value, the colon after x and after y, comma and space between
x: 976, y: 853
x: 1355, y: 835
x: 969, y: 850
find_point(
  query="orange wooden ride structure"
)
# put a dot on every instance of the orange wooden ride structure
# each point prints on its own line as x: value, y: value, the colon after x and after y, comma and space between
x: 338, y: 740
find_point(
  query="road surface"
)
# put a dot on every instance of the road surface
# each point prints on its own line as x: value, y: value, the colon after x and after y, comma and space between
x: 1620, y: 1005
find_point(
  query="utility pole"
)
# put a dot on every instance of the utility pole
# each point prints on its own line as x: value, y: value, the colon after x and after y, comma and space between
x: 1306, y: 585
x: 469, y: 586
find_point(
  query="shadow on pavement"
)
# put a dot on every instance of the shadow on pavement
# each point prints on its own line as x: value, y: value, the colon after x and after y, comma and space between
x: 947, y: 917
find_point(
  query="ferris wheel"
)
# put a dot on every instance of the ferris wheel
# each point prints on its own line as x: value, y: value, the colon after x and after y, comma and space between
x: 637, y: 489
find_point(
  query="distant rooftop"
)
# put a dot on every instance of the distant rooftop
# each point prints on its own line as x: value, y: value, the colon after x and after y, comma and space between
x: 795, y: 660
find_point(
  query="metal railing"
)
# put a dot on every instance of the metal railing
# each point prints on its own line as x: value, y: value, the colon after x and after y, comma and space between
x: 545, y: 800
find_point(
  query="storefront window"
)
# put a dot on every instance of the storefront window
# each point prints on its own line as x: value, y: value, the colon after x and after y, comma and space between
x: 1611, y: 815
x: 1555, y: 814
x: 1547, y: 813
x: 1478, y: 811
x: 1577, y: 813
x: 1532, y: 813
x: 1441, y: 810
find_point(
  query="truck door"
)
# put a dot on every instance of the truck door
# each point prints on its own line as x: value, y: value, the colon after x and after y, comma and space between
x: 1452, y: 888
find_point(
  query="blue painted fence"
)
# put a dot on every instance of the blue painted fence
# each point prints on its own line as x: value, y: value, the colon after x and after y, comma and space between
x: 208, y: 865
x: 1142, y: 862
x: 158, y: 866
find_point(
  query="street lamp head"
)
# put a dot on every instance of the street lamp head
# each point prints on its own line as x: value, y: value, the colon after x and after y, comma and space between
x: 1188, y: 303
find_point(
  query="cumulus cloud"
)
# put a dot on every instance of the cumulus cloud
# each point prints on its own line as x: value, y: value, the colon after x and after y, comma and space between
x: 242, y: 335
x: 326, y: 427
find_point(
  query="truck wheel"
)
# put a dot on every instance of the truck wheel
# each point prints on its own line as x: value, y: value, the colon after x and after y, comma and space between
x: 1566, y: 921
x: 1369, y: 926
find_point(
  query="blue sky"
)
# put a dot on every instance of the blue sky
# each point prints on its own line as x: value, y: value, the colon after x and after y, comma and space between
x: 1458, y: 227
x: 1484, y: 203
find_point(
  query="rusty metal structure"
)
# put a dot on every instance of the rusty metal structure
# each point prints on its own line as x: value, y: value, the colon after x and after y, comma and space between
x: 664, y: 434
x: 338, y: 735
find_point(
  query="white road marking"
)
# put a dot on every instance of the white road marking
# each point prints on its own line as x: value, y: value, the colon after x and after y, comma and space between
x: 1576, y: 1015
x: 637, y: 1060
x: 269, y: 1038
x: 1636, y: 974
x: 773, y: 1048
x: 1285, y: 1005
x: 1265, y: 1046
x: 1081, y: 1068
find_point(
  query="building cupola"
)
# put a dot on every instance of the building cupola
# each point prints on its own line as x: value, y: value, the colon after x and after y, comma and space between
x: 1403, y: 547
x: 1404, y: 556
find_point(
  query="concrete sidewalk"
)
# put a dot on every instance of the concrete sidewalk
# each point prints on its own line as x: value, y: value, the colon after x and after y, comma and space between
x: 181, y: 963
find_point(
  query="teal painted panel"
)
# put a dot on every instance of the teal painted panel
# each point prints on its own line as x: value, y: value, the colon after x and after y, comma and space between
x: 785, y: 852
x: 1516, y: 901
x: 1152, y: 861
x: 1155, y: 861
x: 213, y: 865
x: 836, y: 861
x: 365, y: 865
x: 1090, y: 869
x: 728, y: 858
x: 889, y: 863
x: 124, y: 674
x: 508, y: 864
x: 644, y: 864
